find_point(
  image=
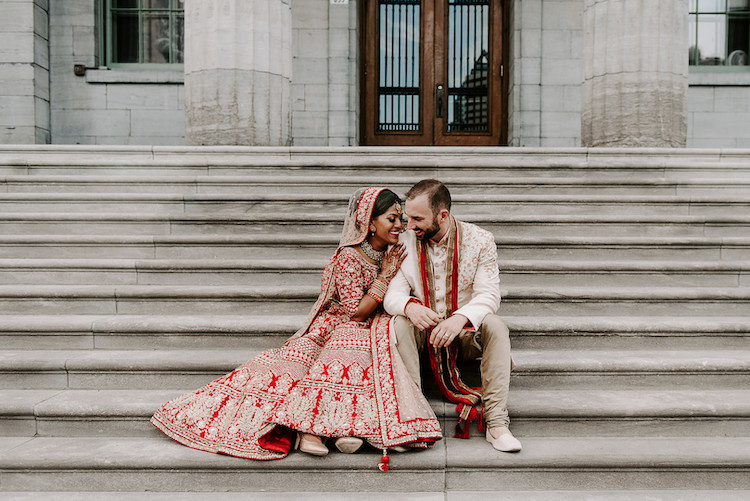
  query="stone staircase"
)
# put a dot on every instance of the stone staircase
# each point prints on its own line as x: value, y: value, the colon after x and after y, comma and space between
x: 131, y: 275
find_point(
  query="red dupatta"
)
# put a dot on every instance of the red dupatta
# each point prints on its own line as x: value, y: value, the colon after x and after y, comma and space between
x: 443, y: 361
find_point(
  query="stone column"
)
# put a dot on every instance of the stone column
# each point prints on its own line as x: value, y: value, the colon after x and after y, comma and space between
x: 238, y: 69
x: 635, y: 68
x: 24, y: 72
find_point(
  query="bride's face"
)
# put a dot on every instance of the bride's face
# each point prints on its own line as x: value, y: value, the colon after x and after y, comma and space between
x: 388, y: 227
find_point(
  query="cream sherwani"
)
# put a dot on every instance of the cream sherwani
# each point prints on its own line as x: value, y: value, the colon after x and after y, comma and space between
x: 478, y: 300
x: 478, y: 280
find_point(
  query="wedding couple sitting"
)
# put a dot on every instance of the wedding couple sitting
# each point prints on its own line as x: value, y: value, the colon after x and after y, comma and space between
x: 352, y: 372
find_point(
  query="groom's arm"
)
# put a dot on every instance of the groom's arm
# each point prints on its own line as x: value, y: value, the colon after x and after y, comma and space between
x: 398, y: 295
x: 400, y: 291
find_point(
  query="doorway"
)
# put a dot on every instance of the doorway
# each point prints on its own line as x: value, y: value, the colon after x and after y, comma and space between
x: 433, y: 73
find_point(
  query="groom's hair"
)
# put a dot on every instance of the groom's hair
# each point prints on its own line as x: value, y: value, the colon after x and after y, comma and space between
x: 437, y: 194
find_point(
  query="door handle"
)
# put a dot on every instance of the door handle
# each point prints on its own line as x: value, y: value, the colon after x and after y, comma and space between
x: 439, y: 95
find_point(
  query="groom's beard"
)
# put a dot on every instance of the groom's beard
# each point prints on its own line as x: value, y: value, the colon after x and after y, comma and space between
x: 430, y: 232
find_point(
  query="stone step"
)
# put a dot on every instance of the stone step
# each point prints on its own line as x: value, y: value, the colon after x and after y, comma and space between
x: 345, y: 185
x: 72, y: 271
x: 166, y: 203
x: 280, y: 300
x: 534, y: 413
x: 301, y: 223
x: 306, y: 272
x: 321, y: 246
x: 551, y: 369
x: 425, y: 161
x: 260, y: 332
x: 546, y: 463
x: 147, y: 331
x: 543, y: 495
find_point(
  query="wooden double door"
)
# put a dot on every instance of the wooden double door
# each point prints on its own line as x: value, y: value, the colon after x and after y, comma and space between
x: 433, y: 72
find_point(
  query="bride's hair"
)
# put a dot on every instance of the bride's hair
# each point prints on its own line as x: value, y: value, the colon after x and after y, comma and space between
x: 385, y: 199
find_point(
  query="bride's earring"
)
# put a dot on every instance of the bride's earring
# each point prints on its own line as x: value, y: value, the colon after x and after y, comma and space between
x: 372, y: 229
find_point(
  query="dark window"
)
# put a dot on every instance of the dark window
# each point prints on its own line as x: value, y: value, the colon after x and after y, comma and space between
x: 719, y: 32
x: 145, y: 31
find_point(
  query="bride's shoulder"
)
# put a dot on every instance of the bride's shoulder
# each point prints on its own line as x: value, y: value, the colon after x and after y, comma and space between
x: 348, y: 254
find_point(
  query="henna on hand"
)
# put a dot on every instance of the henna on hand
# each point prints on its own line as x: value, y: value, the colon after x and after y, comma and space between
x: 392, y: 262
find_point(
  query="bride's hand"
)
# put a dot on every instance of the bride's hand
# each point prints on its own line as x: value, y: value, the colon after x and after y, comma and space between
x: 392, y: 261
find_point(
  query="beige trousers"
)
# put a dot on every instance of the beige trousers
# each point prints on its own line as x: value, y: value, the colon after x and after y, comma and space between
x: 492, y: 342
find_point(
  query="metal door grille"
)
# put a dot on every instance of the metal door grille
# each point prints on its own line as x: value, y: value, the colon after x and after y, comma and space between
x: 468, y: 66
x: 398, y: 87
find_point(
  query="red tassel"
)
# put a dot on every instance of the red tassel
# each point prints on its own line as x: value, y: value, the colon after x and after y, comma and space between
x: 384, y: 460
x: 462, y: 431
x: 482, y: 426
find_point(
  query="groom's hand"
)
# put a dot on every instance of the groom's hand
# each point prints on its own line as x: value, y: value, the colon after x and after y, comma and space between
x: 421, y: 316
x: 446, y: 331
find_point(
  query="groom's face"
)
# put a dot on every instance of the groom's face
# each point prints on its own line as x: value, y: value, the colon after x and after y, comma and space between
x: 420, y: 218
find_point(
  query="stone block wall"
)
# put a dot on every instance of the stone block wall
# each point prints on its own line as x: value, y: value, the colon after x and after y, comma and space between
x: 106, y: 106
x: 325, y: 95
x: 546, y: 71
x: 719, y: 110
x: 24, y: 72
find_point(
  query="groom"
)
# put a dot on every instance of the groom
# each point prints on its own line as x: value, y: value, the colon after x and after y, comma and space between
x: 444, y: 300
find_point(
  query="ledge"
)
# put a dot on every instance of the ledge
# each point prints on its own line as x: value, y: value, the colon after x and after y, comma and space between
x: 107, y: 76
x: 719, y: 78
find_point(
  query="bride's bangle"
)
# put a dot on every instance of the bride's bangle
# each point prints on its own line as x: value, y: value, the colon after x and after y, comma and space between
x: 378, y: 289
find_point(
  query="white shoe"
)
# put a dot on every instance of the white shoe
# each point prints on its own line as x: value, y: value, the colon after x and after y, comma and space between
x: 348, y: 445
x: 311, y: 444
x: 505, y: 442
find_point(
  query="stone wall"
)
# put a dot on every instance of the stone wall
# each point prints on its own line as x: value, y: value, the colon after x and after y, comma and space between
x: 719, y: 110
x: 325, y: 95
x: 24, y: 72
x: 546, y: 68
x: 106, y: 106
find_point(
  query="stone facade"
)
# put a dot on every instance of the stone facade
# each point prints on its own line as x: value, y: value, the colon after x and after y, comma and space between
x: 106, y: 106
x: 325, y: 97
x: 546, y: 69
x: 719, y: 110
x: 42, y: 100
x: 24, y: 72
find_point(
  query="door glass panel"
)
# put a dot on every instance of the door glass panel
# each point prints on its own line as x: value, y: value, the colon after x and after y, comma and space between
x: 398, y: 86
x: 468, y: 66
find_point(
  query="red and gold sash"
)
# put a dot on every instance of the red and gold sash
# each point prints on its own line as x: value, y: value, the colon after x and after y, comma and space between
x: 443, y: 361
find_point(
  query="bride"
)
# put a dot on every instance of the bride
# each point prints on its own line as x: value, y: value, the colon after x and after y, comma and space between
x: 339, y: 376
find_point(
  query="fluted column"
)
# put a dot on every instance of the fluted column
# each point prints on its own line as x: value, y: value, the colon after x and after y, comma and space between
x: 238, y: 68
x: 635, y: 60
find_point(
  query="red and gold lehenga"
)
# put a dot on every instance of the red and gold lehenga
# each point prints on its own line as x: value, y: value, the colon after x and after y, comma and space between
x: 335, y: 377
